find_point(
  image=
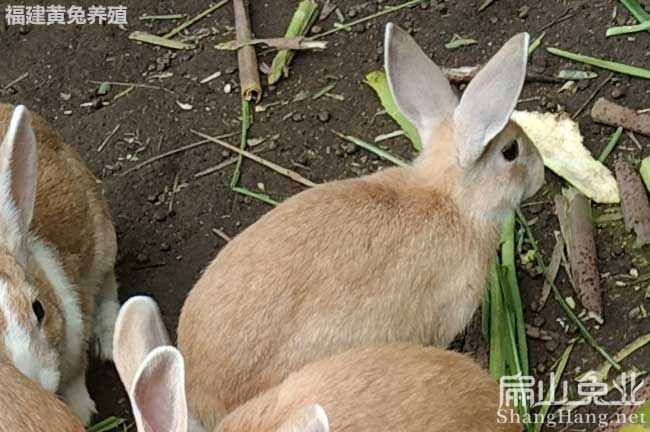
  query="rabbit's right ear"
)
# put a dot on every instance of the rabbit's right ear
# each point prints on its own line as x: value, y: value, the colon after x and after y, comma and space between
x: 18, y: 159
x: 420, y: 89
x: 490, y: 98
x: 139, y: 330
x: 158, y: 392
x: 311, y: 418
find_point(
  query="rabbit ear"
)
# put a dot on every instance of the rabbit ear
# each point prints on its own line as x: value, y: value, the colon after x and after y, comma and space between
x: 420, y: 89
x: 490, y: 98
x: 311, y: 418
x: 158, y: 392
x: 139, y: 330
x: 18, y: 159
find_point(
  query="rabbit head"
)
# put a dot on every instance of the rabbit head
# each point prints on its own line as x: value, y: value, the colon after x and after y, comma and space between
x: 30, y: 327
x: 470, y: 146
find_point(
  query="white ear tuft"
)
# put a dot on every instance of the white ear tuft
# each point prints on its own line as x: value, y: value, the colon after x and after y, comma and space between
x: 311, y: 418
x: 420, y: 89
x: 18, y: 164
x: 158, y: 392
x: 139, y: 330
x: 490, y: 98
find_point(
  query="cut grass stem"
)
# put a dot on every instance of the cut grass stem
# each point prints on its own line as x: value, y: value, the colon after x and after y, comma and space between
x: 563, y: 304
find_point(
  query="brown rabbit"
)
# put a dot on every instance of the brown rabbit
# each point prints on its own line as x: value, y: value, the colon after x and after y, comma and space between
x: 373, y: 389
x: 398, y: 256
x: 57, y: 253
x: 27, y: 407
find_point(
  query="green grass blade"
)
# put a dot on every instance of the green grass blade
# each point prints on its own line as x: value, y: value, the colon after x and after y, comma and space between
x: 377, y: 81
x: 160, y: 41
x: 645, y: 172
x: 536, y: 43
x: 497, y: 358
x: 613, y: 141
x: 245, y: 125
x: 604, y: 64
x: 636, y: 10
x: 550, y: 393
x: 258, y: 196
x: 107, y: 425
x: 373, y: 149
x: 302, y: 20
x: 511, y: 289
x: 387, y: 10
x: 617, y: 31
x: 485, y: 318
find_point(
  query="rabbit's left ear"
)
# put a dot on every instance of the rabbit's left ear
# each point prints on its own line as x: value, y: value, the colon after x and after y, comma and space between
x: 420, y: 89
x: 18, y: 159
x: 490, y: 99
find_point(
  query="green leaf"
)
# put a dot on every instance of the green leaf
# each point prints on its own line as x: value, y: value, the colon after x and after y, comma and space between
x: 107, y: 425
x: 377, y: 80
x: 459, y: 42
x: 636, y: 10
x: 604, y: 64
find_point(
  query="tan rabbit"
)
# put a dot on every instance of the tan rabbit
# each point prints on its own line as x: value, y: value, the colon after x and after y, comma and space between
x: 57, y: 253
x: 27, y: 407
x: 398, y: 256
x: 374, y: 389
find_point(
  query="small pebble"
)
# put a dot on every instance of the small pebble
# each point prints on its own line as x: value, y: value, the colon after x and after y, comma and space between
x: 551, y: 345
x: 541, y: 368
x: 160, y: 215
x: 618, y: 92
x: 350, y: 148
x: 359, y: 28
x: 142, y: 258
x: 152, y: 198
x: 324, y: 116
x: 297, y: 117
x: 227, y: 88
x: 225, y: 153
x: 165, y: 247
x: 230, y: 70
x: 634, y: 272
x: 539, y: 321
x: 273, y: 145
x: 316, y: 29
x: 352, y: 13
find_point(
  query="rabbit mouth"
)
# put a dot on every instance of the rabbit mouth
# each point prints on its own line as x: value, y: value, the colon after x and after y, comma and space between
x: 535, y: 183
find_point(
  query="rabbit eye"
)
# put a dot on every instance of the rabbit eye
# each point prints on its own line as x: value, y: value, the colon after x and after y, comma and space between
x: 37, y: 307
x: 511, y: 151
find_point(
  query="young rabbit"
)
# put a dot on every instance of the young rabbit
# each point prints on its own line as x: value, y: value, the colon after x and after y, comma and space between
x: 398, y: 256
x: 27, y: 407
x: 373, y: 389
x: 57, y: 253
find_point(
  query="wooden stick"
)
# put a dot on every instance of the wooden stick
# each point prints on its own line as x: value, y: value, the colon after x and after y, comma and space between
x: 574, y: 213
x: 275, y: 167
x: 613, y: 114
x: 249, y: 76
x: 634, y: 201
x: 464, y: 74
x: 173, y: 152
x: 592, y: 96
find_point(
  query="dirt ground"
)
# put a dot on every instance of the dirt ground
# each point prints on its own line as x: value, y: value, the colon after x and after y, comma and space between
x: 166, y: 238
